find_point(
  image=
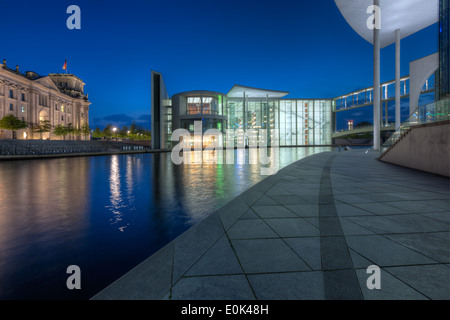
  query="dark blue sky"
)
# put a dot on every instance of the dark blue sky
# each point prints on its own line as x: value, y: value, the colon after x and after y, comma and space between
x: 304, y: 47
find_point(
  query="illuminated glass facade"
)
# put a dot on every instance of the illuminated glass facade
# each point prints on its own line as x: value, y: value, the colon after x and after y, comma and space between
x: 296, y: 122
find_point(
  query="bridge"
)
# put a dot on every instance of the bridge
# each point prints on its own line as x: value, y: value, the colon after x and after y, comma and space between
x: 364, y: 129
x: 364, y: 97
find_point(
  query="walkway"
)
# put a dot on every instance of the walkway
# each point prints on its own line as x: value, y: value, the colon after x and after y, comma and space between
x: 310, y: 232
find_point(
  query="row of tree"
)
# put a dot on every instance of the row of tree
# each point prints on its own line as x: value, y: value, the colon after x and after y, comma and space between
x: 133, y: 132
x: 10, y: 122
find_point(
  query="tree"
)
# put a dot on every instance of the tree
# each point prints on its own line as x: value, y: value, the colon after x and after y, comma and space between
x: 60, y: 130
x: 107, y: 132
x: 85, y: 130
x: 70, y: 129
x: 43, y: 127
x: 123, y: 133
x: 97, y: 133
x: 10, y: 122
x: 133, y: 128
x: 363, y: 124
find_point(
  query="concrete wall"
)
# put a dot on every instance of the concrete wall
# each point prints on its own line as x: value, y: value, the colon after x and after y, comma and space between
x: 425, y: 148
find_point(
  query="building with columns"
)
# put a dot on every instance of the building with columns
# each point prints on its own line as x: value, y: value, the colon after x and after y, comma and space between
x: 58, y: 98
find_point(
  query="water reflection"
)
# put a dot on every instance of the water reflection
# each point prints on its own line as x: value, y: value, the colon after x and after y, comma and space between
x: 106, y: 214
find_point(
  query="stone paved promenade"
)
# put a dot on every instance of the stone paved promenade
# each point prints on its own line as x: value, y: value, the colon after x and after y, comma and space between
x: 310, y: 232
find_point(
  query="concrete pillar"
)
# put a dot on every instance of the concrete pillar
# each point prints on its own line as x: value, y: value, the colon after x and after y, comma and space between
x: 376, y: 84
x: 397, y: 80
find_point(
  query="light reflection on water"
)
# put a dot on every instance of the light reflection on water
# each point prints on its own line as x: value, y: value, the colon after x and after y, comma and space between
x: 105, y: 214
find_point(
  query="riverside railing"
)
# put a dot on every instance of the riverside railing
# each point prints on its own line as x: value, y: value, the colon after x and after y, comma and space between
x: 430, y: 113
x: 13, y: 148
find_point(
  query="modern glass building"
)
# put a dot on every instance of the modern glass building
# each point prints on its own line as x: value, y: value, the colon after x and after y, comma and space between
x: 443, y: 87
x: 296, y: 122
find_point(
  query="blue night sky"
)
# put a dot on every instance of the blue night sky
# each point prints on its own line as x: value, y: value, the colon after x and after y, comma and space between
x: 304, y: 47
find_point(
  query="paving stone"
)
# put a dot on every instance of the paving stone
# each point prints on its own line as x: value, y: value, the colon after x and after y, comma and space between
x: 353, y: 229
x: 351, y: 198
x: 267, y: 255
x: 414, y: 206
x: 381, y: 225
x: 380, y: 197
x: 265, y: 200
x: 192, y: 244
x: 288, y: 286
x: 289, y: 200
x: 443, y: 216
x: 335, y: 253
x: 219, y: 260
x: 351, y: 190
x: 232, y: 211
x: 418, y: 223
x: 251, y: 196
x: 229, y: 287
x: 381, y: 208
x: 384, y: 252
x: 273, y: 212
x: 150, y: 280
x: 341, y: 285
x: 358, y: 260
x: 277, y: 191
x: 249, y: 214
x: 250, y: 229
x: 423, y: 195
x: 292, y: 227
x: 391, y: 288
x: 430, y: 280
x: 304, y: 210
x: 308, y: 249
x: 429, y: 244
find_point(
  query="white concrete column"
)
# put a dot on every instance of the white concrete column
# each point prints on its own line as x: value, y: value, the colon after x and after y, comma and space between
x: 397, y: 80
x: 376, y: 84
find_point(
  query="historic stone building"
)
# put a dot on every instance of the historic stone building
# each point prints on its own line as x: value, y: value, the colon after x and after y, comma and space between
x: 58, y: 98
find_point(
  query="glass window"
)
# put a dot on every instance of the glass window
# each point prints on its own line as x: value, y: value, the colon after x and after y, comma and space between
x: 194, y: 105
x: 207, y: 105
x: 62, y: 108
x: 23, y: 109
x: 11, y: 107
x: 235, y: 114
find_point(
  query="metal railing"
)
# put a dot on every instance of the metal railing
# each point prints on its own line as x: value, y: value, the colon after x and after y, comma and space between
x: 14, y: 147
x: 430, y: 113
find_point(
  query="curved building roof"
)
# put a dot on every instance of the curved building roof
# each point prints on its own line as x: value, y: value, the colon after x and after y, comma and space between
x: 199, y: 93
x: 238, y: 91
x: 410, y: 16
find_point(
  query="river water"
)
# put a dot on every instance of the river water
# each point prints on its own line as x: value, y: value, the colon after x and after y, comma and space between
x: 104, y: 214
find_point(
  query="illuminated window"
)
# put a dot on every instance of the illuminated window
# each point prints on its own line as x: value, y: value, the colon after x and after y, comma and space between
x: 62, y: 108
x: 194, y: 105
x: 207, y: 105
